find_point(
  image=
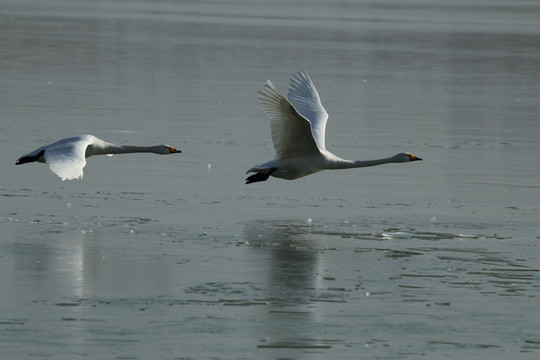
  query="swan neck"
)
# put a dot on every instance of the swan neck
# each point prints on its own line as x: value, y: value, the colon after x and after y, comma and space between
x: 121, y: 149
x: 347, y: 164
x: 126, y: 149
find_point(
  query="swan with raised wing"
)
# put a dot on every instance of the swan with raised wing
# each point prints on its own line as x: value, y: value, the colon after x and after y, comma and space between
x: 298, y: 127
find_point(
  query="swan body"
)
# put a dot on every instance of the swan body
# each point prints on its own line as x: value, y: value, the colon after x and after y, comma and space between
x: 67, y: 157
x: 298, y: 127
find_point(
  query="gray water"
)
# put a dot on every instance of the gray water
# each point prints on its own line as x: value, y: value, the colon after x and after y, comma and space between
x: 173, y: 257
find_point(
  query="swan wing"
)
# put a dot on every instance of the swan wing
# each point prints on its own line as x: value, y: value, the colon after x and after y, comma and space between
x: 67, y: 158
x: 305, y: 98
x: 291, y: 132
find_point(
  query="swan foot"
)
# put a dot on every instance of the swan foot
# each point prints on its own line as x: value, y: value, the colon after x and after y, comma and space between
x: 27, y: 159
x: 260, y: 176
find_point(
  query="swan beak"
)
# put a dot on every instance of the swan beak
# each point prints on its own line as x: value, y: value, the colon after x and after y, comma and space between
x: 173, y: 150
x: 417, y: 158
x: 413, y: 158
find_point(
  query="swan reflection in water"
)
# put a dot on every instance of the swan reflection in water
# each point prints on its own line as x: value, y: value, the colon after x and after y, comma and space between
x: 293, y: 275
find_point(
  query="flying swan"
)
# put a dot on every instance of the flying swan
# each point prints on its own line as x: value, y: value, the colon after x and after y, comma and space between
x: 298, y: 129
x: 67, y: 157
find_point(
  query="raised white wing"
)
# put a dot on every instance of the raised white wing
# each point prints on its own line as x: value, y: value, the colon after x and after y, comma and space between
x: 291, y: 132
x: 305, y: 98
x: 66, y: 158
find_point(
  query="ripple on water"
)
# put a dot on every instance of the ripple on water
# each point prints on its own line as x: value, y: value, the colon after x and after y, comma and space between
x: 300, y: 344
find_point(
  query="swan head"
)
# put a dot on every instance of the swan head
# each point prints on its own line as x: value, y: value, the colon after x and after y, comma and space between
x: 406, y: 157
x: 166, y: 149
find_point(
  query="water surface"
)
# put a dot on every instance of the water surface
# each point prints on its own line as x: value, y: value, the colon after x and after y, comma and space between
x: 175, y: 258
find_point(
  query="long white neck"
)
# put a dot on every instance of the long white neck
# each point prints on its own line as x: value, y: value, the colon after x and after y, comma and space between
x: 109, y: 148
x: 126, y: 149
x: 349, y: 164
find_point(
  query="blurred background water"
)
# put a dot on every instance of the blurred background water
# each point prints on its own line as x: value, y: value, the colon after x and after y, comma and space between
x: 175, y: 258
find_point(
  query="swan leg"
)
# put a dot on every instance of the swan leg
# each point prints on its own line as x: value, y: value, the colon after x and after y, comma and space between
x: 27, y: 159
x: 260, y: 176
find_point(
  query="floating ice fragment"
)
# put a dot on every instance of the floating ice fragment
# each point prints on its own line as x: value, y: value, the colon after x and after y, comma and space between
x: 466, y: 236
x: 397, y: 235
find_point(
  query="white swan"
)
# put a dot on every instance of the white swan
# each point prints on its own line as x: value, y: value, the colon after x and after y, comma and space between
x: 67, y: 157
x: 298, y: 130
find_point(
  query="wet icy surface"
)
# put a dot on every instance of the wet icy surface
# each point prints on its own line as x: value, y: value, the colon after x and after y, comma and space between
x: 158, y: 257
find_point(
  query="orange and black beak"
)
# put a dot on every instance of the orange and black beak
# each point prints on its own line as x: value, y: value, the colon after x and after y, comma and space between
x: 173, y: 150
